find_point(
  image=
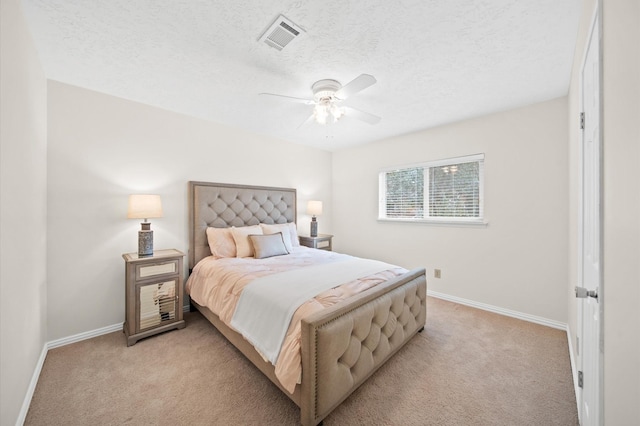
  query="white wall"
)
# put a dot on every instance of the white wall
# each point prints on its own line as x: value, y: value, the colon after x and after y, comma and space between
x: 23, y: 210
x: 518, y: 261
x: 621, y: 154
x: 103, y: 148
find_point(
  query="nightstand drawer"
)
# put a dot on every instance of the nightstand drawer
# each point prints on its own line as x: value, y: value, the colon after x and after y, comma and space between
x: 324, y: 245
x: 321, y: 242
x: 155, y: 270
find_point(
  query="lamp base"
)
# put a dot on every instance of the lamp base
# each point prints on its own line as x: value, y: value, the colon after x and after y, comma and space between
x: 314, y: 227
x: 145, y: 240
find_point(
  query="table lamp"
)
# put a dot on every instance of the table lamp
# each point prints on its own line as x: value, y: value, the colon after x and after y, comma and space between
x: 314, y: 208
x: 143, y: 206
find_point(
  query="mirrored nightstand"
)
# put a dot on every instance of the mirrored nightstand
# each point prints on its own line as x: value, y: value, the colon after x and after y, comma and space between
x: 153, y: 294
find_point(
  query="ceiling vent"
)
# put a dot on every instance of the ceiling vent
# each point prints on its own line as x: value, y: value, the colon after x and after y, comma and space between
x: 281, y: 33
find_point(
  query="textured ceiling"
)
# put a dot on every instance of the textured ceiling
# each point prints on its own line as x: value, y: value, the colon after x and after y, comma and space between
x: 436, y: 62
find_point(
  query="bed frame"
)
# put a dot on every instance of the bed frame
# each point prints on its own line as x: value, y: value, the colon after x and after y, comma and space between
x: 342, y: 345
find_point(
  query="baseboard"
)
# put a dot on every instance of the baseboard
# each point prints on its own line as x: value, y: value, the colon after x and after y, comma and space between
x: 84, y: 336
x: 90, y: 334
x: 574, y: 371
x: 22, y: 415
x: 495, y: 309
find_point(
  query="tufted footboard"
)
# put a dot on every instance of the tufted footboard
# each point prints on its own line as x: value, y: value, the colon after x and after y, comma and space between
x: 344, y: 345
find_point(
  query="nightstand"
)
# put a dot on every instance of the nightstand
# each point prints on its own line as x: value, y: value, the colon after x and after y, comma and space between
x: 153, y: 294
x: 322, y: 241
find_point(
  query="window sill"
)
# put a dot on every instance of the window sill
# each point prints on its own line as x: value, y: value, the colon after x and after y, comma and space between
x: 444, y: 222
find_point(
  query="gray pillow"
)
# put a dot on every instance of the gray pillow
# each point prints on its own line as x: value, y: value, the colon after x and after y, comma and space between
x: 268, y: 245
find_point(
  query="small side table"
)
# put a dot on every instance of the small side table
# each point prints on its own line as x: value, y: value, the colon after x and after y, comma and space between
x: 153, y: 294
x: 321, y: 242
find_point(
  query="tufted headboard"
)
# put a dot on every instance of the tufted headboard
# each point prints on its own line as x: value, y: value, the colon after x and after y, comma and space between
x: 222, y: 205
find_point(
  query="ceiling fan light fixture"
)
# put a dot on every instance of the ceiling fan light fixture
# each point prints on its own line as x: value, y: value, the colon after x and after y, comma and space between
x: 320, y: 113
x: 325, y: 89
x: 336, y: 112
x: 326, y: 108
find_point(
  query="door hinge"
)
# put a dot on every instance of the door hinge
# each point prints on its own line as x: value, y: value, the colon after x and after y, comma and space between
x: 582, y: 120
x: 580, y: 379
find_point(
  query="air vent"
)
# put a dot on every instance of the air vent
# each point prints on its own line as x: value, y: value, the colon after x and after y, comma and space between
x: 281, y: 33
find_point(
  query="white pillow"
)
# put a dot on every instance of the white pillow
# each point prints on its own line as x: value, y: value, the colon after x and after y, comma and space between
x: 268, y: 245
x: 221, y: 242
x: 289, y: 233
x: 241, y: 237
x: 283, y: 228
x: 293, y: 230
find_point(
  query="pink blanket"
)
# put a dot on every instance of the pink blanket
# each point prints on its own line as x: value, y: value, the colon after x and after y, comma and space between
x: 218, y: 283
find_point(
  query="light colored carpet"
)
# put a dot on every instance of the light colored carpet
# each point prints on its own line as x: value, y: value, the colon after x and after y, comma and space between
x: 468, y: 367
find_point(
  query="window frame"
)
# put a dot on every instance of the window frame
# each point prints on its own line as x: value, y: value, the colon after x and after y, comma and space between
x: 449, y: 220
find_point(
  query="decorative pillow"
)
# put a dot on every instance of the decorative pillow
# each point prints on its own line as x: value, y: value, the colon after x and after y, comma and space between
x: 283, y: 228
x: 268, y: 245
x: 289, y: 233
x: 241, y: 237
x: 221, y: 242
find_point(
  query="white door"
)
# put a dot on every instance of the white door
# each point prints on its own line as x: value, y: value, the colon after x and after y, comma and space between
x: 590, y: 293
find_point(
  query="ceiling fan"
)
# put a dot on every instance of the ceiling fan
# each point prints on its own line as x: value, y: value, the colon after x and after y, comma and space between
x: 327, y: 96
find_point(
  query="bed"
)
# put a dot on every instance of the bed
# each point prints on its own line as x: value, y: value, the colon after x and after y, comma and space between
x: 339, y: 346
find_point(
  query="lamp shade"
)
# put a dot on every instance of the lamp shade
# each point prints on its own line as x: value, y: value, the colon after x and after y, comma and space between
x: 143, y: 206
x: 314, y: 208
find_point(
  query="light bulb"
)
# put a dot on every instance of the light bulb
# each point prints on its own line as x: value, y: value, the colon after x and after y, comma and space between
x: 337, y: 112
x: 321, y: 113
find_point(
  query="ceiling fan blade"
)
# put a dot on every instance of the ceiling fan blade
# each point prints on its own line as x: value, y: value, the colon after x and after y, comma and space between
x: 300, y: 100
x: 306, y: 121
x: 361, y: 115
x: 354, y: 86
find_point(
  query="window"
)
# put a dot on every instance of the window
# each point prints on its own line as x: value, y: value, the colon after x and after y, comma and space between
x: 448, y: 190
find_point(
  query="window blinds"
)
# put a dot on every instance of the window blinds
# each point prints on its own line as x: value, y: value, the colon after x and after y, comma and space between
x: 454, y: 190
x: 448, y: 189
x: 405, y: 193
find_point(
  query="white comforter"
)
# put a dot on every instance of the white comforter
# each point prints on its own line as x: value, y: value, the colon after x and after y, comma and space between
x: 266, y: 306
x: 219, y: 283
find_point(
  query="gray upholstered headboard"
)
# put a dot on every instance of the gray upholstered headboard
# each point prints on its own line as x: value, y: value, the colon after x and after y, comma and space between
x: 221, y: 205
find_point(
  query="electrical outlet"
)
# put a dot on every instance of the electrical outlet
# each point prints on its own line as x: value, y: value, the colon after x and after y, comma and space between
x: 437, y: 273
